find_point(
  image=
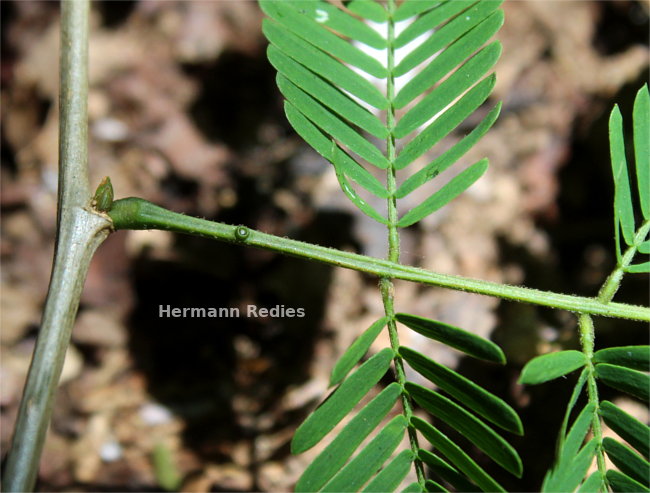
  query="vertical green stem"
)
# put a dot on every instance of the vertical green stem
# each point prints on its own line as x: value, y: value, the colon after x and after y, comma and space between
x: 386, y: 283
x: 588, y: 335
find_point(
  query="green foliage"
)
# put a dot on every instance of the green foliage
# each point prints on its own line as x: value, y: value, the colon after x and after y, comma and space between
x: 551, y: 366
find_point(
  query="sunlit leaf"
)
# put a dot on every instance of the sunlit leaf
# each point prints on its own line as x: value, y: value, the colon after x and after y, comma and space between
x: 571, y: 474
x: 330, y: 460
x: 446, y: 194
x: 643, y: 268
x: 624, y: 209
x: 452, y: 336
x: 368, y: 9
x: 594, y: 483
x: 392, y: 475
x: 356, y: 351
x: 441, y: 13
x: 366, y: 463
x: 550, y: 366
x: 411, y: 9
x: 340, y: 402
x: 576, y: 435
x: 465, y: 391
x: 641, y: 118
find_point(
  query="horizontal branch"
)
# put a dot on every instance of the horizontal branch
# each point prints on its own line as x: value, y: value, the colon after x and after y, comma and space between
x: 134, y: 213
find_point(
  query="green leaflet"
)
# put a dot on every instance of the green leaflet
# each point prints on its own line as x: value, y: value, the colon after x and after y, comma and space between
x: 447, y: 472
x: 446, y: 122
x: 327, y: 94
x: 449, y: 157
x: 576, y: 436
x: 446, y: 194
x: 328, y: 15
x: 323, y: 64
x: 623, y: 208
x: 103, y: 198
x: 577, y: 390
x: 593, y: 483
x: 412, y: 488
x: 411, y: 9
x: 368, y: 9
x: 632, y: 382
x: 456, y: 456
x: 360, y: 469
x: 641, y: 119
x: 330, y: 460
x: 350, y: 192
x: 639, y: 268
x: 550, y: 366
x: 314, y: 33
x: 455, y: 85
x: 465, y: 391
x: 330, y: 123
x: 321, y: 144
x: 430, y: 20
x: 392, y: 475
x: 570, y: 473
x: 460, y: 339
x: 467, y: 425
x: 628, y: 461
x: 628, y: 428
x: 644, y: 247
x: 341, y: 402
x: 635, y: 357
x: 623, y: 483
x: 432, y: 486
x: 449, y: 59
x: 446, y: 34
x: 356, y: 351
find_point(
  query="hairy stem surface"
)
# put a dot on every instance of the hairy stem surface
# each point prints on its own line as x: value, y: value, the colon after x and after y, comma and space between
x: 386, y: 283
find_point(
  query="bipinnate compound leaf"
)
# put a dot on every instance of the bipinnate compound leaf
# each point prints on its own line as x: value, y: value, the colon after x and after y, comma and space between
x: 627, y: 460
x: 336, y: 454
x: 456, y: 456
x: 341, y: 401
x: 592, y: 484
x: 632, y: 382
x: 460, y: 339
x: 413, y: 488
x: 641, y: 120
x: 367, y: 462
x: 321, y: 144
x: 444, y: 94
x: 620, y: 482
x: 479, y: 400
x: 623, y: 207
x: 392, y: 475
x: 634, y: 357
x: 569, y: 474
x: 322, y: 63
x: 576, y: 436
x: 447, y: 60
x: 446, y: 122
x: 302, y: 24
x: 356, y: 351
x: 550, y: 366
x: 446, y: 194
x: 467, y: 425
x: 627, y: 427
x: 330, y: 123
x: 431, y: 486
x: 339, y: 102
x: 442, y: 37
x: 449, y: 157
x: 445, y: 471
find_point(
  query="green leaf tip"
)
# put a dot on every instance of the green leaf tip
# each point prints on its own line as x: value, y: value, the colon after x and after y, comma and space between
x: 103, y: 198
x: 551, y: 366
x: 455, y: 337
x: 341, y: 401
